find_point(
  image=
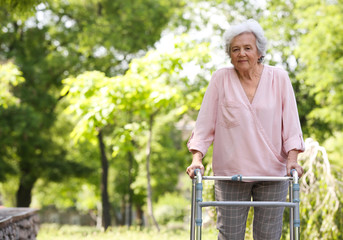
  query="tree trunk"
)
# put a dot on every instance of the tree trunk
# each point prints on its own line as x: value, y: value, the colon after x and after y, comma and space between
x: 123, y: 210
x: 139, y: 215
x: 130, y: 190
x: 148, y: 154
x: 106, y: 217
x: 24, y: 193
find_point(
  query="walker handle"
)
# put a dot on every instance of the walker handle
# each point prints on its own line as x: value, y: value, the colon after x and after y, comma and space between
x: 196, y: 171
x: 294, y: 170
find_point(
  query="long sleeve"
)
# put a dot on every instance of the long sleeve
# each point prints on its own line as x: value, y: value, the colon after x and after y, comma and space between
x: 291, y: 129
x: 203, y: 133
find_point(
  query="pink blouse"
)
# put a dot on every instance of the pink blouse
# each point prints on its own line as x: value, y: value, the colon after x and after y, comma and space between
x: 252, y: 139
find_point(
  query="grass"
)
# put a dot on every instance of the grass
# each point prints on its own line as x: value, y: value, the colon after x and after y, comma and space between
x: 70, y: 232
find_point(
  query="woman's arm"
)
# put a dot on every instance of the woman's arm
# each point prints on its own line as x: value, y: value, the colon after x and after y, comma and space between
x: 203, y: 133
x: 292, y: 135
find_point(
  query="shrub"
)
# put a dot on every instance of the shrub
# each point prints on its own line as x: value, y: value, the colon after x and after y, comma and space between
x: 171, y: 207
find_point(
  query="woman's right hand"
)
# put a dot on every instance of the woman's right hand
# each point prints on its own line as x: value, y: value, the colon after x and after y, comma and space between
x: 196, y: 164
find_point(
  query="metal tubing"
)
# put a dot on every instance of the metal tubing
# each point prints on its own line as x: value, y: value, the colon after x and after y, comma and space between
x: 297, y: 233
x: 242, y: 178
x: 198, y: 219
x: 192, y: 236
x: 198, y: 232
x: 248, y: 203
x: 296, y: 200
x: 291, y: 213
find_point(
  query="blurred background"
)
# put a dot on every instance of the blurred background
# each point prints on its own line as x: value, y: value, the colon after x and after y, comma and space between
x: 99, y: 97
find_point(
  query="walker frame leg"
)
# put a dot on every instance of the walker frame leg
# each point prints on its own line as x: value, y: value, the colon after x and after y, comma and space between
x: 198, y: 199
x: 291, y: 212
x: 192, y: 227
x: 296, y: 200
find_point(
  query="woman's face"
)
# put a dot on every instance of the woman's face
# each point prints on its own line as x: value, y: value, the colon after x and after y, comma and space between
x: 243, y: 52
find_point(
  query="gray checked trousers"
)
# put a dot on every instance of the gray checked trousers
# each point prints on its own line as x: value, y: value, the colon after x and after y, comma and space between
x: 231, y: 221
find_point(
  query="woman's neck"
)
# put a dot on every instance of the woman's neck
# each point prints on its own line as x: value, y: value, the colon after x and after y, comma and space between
x: 252, y: 74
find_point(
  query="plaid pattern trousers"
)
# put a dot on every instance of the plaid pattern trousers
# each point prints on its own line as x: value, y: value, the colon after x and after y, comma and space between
x: 231, y: 220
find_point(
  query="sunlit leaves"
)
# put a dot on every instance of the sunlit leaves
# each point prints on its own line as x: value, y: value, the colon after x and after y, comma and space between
x: 21, y: 6
x: 90, y: 101
x: 10, y: 76
x: 320, y: 48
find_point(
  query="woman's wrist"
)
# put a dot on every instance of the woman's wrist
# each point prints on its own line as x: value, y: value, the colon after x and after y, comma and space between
x: 197, y: 156
x: 293, y: 155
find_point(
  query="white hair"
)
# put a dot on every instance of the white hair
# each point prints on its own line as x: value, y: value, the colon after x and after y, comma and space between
x: 251, y: 26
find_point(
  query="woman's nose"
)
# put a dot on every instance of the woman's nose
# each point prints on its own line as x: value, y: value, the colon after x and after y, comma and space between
x: 241, y: 53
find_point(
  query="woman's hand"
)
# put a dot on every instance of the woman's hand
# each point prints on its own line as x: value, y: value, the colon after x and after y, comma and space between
x: 196, y: 164
x: 292, y: 163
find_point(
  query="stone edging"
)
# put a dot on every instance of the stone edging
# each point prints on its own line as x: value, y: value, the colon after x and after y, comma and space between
x: 18, y: 223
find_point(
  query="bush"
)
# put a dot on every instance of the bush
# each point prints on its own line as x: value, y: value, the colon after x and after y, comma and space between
x: 172, y: 207
x: 321, y: 195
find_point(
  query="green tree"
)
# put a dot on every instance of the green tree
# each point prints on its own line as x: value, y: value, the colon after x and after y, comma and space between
x: 21, y: 6
x: 129, y: 104
x: 320, y: 51
x: 10, y: 77
x: 63, y: 38
x: 159, y: 81
x: 309, y: 39
x: 90, y: 102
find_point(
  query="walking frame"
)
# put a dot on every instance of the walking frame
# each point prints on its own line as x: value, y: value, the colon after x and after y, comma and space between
x: 198, y: 204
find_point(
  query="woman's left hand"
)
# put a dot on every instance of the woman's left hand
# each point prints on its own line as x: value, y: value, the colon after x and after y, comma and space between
x: 292, y: 163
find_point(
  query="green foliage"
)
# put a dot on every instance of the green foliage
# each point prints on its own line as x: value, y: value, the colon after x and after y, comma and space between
x: 321, y: 196
x: 171, y: 208
x: 55, y: 40
x: 7, y: 197
x: 123, y: 105
x: 79, y: 179
x: 309, y: 40
x: 90, y: 102
x: 88, y: 33
x: 72, y: 193
x: 165, y: 89
x: 333, y: 146
x: 21, y: 6
x: 10, y: 76
x: 320, y: 50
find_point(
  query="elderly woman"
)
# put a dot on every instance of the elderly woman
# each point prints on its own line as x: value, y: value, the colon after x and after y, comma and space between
x: 250, y: 115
